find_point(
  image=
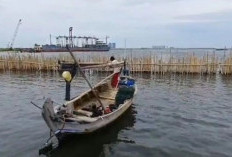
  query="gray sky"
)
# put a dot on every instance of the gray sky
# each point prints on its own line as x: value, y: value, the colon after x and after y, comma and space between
x: 143, y: 23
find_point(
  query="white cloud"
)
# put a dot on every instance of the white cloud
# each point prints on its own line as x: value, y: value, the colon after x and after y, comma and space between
x: 141, y: 22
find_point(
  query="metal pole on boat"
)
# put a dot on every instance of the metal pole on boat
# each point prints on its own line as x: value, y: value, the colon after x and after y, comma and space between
x: 83, y: 75
x: 68, y: 78
x: 67, y: 93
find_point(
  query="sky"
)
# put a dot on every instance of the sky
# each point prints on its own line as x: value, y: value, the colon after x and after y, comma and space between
x: 141, y: 23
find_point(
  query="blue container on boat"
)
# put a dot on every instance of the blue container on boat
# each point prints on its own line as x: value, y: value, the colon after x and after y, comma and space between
x: 127, y: 82
x: 130, y: 82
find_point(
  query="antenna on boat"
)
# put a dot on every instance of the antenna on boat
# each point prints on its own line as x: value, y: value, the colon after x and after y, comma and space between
x: 125, y: 70
x: 83, y: 75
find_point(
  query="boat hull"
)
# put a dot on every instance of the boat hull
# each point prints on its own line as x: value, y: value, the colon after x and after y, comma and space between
x: 63, y: 129
x: 85, y: 129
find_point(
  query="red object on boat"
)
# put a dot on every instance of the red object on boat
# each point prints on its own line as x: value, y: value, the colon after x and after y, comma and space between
x: 115, y: 80
x: 107, y: 110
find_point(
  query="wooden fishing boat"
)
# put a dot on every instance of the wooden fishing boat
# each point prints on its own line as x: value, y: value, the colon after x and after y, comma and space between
x: 91, y: 111
x: 78, y: 116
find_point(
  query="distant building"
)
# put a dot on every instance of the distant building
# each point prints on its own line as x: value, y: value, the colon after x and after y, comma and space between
x: 37, y: 48
x: 159, y: 47
x: 112, y: 45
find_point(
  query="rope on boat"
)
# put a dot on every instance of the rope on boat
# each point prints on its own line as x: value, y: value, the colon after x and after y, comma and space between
x: 36, y: 105
x: 63, y: 123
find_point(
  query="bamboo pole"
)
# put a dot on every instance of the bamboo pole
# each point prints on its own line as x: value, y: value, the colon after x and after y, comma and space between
x: 151, y: 63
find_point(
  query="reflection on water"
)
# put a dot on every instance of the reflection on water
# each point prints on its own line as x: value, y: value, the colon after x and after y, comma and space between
x: 95, y: 144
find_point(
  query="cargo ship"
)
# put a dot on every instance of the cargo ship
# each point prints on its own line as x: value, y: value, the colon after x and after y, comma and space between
x: 75, y: 43
x: 87, y: 47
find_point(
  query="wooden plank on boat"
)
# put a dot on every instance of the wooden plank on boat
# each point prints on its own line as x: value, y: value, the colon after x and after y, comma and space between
x: 82, y: 112
x: 104, y: 97
x: 83, y: 119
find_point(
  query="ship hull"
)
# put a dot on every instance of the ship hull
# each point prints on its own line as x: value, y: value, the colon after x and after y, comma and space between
x: 74, y: 49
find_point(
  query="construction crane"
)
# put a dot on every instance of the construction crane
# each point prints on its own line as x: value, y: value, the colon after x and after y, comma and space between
x: 15, y: 34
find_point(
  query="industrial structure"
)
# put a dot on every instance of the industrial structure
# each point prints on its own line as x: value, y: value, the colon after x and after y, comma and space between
x: 112, y: 45
x: 76, y: 43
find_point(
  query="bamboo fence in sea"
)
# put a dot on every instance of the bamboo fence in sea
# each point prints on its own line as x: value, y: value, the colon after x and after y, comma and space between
x: 189, y: 64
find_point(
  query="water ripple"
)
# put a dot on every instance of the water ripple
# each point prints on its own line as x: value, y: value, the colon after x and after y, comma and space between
x: 172, y: 116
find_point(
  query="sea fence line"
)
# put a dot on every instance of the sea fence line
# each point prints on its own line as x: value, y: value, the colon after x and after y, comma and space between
x: 188, y: 64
